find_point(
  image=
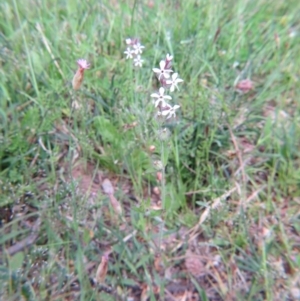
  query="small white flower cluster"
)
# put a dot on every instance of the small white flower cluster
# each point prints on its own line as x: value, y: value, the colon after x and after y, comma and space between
x: 167, y: 81
x: 134, y: 51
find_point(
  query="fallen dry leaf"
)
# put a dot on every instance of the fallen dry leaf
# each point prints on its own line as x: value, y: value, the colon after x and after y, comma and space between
x: 130, y: 126
x: 158, y: 264
x: 107, y: 187
x: 102, y: 269
x: 204, y: 215
x: 156, y: 207
x: 145, y: 292
x: 88, y: 181
x: 194, y: 265
x: 244, y: 85
x: 115, y: 204
x: 295, y: 292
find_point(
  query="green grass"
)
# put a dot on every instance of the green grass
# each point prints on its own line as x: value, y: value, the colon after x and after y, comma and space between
x: 225, y: 224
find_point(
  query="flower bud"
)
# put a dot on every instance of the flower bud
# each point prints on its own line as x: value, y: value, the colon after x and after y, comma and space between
x: 156, y: 191
x: 159, y: 176
x: 78, y: 77
x: 152, y: 148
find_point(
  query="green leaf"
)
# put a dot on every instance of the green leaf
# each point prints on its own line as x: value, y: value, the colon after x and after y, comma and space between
x: 16, y: 261
x: 109, y: 133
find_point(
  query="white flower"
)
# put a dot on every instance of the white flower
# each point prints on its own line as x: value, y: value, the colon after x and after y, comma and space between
x: 162, y: 71
x: 171, y: 112
x: 138, y: 48
x: 174, y: 82
x: 138, y: 62
x: 129, y: 53
x: 128, y: 41
x: 161, y: 97
x: 169, y: 57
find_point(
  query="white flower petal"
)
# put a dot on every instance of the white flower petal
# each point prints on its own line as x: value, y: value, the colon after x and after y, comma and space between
x: 170, y: 112
x: 156, y: 70
x: 138, y: 62
x: 162, y: 65
x: 155, y: 95
x: 161, y: 90
x: 158, y: 101
x: 174, y: 82
x: 169, y: 57
x: 174, y: 75
x: 165, y: 112
x: 138, y: 48
x: 128, y: 53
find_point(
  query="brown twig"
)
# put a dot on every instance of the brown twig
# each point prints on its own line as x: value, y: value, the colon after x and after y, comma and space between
x: 216, y: 203
x: 190, y: 169
x: 20, y: 107
x: 238, y: 152
x: 26, y: 242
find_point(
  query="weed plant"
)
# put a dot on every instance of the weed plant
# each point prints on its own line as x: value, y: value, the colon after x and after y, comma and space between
x: 180, y: 194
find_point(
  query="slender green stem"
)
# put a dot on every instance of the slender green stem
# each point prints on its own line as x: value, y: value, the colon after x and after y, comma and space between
x: 132, y: 13
x: 34, y: 82
x: 163, y: 187
x: 265, y: 271
x: 163, y: 190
